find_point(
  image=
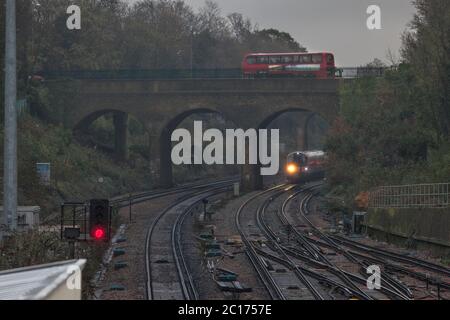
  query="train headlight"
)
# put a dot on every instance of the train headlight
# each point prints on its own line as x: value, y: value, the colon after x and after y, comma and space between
x: 291, y: 168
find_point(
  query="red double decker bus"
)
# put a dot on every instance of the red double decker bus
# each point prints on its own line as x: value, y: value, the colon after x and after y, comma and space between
x: 308, y: 65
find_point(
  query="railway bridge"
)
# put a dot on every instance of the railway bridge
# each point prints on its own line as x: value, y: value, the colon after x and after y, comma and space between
x: 161, y: 105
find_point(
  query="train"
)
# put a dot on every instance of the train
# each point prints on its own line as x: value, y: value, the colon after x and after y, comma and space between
x: 304, y: 166
x: 319, y: 65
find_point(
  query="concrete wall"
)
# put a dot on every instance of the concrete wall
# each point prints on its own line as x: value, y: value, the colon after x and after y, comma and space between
x: 430, y: 227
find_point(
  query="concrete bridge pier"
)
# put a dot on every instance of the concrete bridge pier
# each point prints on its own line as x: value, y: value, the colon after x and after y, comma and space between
x: 302, y: 138
x: 165, y: 161
x: 251, y: 179
x: 121, y: 135
x: 302, y: 133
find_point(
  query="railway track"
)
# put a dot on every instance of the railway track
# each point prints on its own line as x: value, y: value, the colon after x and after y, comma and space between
x: 271, y: 236
x: 439, y: 269
x: 391, y: 287
x: 326, y: 272
x: 167, y: 273
x: 273, y: 288
x: 316, y: 255
x: 367, y: 255
x: 124, y: 200
x: 300, y: 271
x: 311, y: 283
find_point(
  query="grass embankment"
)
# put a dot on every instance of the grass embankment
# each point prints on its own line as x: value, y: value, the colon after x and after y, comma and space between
x: 75, y: 170
x: 75, y: 173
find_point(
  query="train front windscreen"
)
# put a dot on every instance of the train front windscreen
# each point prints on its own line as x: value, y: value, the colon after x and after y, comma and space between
x: 304, y: 166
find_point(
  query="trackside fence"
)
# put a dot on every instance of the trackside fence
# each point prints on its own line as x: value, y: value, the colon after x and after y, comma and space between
x: 411, y: 196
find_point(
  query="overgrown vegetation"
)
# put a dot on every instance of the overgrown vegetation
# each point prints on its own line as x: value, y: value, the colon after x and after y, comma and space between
x: 151, y: 34
x: 395, y: 130
x: 75, y: 169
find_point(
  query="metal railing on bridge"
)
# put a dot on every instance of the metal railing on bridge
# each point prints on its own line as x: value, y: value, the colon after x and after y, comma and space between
x: 180, y: 74
x: 151, y: 74
x: 361, y: 72
x: 411, y: 196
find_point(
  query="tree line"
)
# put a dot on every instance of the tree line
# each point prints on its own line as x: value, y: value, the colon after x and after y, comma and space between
x: 150, y: 34
x: 395, y: 130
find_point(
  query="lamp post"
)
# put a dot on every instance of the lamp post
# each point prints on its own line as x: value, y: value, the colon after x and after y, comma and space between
x: 10, y: 151
x: 193, y: 34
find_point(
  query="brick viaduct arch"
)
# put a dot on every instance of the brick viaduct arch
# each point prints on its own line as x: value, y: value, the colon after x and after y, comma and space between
x: 161, y: 105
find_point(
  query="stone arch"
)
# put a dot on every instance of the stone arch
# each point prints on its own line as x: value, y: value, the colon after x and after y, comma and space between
x: 154, y: 102
x: 252, y: 178
x: 309, y: 119
x: 165, y: 143
x: 120, y: 122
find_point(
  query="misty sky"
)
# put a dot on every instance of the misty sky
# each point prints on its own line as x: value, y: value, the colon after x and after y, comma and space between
x: 338, y: 26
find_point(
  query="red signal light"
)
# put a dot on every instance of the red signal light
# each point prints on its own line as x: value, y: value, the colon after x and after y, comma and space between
x: 98, y: 233
x: 99, y: 219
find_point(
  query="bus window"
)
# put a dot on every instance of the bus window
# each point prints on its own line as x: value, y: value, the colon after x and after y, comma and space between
x: 262, y: 60
x: 274, y: 59
x: 317, y: 58
x: 330, y: 58
x: 307, y: 58
x: 295, y: 59
x: 286, y: 59
x: 251, y: 60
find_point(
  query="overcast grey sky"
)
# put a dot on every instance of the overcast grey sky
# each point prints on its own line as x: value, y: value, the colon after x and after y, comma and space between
x: 338, y: 26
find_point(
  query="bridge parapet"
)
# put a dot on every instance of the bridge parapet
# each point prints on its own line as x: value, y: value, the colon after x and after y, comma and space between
x: 207, y: 86
x: 164, y: 74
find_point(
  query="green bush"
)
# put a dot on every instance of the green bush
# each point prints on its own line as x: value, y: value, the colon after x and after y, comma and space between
x: 381, y: 139
x: 75, y: 169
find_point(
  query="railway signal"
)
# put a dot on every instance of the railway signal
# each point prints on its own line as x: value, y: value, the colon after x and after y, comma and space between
x: 99, y: 219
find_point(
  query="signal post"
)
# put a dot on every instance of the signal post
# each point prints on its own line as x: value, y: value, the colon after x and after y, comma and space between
x: 82, y: 222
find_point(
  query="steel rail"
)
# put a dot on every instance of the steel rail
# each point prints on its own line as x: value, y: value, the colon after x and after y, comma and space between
x: 189, y: 290
x: 388, y: 266
x: 272, y: 287
x: 394, y: 256
x: 151, y: 230
x: 402, y: 290
x: 338, y: 272
x: 273, y: 239
x: 357, y: 278
x: 400, y: 269
x: 150, y: 195
x: 314, y: 274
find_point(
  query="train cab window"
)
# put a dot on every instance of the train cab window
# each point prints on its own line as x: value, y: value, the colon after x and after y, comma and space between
x: 306, y: 58
x: 274, y: 59
x: 262, y: 60
x: 286, y: 59
x: 297, y: 158
x: 317, y: 58
x: 251, y: 60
